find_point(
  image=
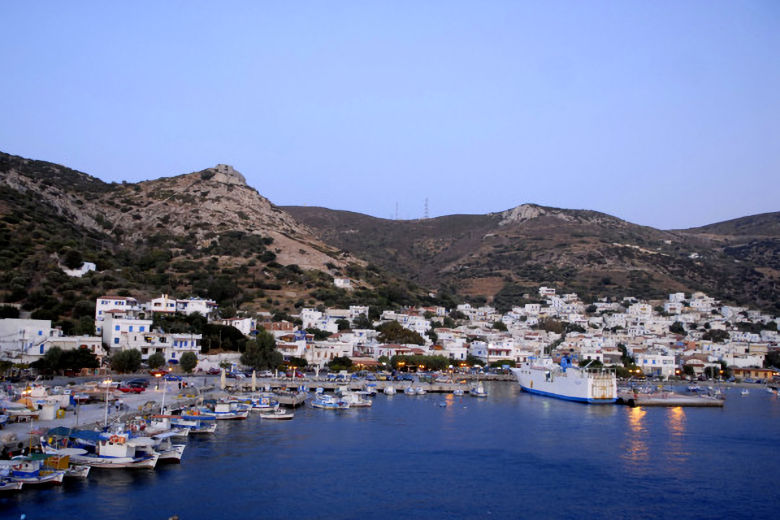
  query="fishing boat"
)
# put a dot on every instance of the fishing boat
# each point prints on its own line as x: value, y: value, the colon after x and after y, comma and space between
x: 31, y: 470
x: 161, y: 445
x: 458, y: 391
x: 7, y: 484
x: 222, y: 411
x: 112, y: 451
x: 409, y: 390
x: 565, y: 381
x: 389, y: 390
x: 419, y: 391
x: 195, y: 422
x: 329, y: 402
x: 478, y: 391
x: 356, y: 400
x: 277, y: 414
x: 745, y: 392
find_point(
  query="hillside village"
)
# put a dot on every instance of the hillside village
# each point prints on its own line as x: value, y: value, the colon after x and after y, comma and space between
x: 686, y: 335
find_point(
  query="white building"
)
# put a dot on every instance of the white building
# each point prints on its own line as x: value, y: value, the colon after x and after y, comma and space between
x: 656, y: 364
x: 116, y: 306
x: 24, y: 341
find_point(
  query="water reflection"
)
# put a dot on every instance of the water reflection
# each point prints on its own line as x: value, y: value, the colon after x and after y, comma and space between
x: 636, y: 454
x: 676, y: 454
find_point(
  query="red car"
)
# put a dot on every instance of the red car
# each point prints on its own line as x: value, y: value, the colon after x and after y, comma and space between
x: 158, y: 372
x: 131, y: 389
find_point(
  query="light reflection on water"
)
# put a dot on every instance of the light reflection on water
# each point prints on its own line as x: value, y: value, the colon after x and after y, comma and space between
x: 636, y: 453
x: 677, y: 452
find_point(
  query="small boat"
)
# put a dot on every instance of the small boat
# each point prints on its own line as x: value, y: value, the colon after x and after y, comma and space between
x: 163, y: 444
x: 277, y: 414
x: 329, y: 402
x: 409, y: 390
x: 389, y: 390
x: 357, y: 400
x: 32, y: 471
x: 458, y: 391
x: 420, y: 391
x: 226, y: 411
x: 77, y: 471
x: 195, y: 422
x: 7, y: 484
x: 745, y: 392
x: 111, y: 451
x: 478, y: 391
x: 693, y: 388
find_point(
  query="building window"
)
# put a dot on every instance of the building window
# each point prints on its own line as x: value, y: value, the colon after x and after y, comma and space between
x: 116, y: 327
x: 41, y: 349
x: 116, y: 341
x: 141, y: 328
x: 130, y: 329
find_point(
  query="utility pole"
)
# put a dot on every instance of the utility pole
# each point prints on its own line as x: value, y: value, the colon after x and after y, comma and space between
x: 425, y: 216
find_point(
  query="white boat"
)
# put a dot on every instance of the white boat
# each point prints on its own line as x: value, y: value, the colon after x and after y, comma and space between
x: 564, y: 381
x: 745, y: 392
x: 419, y: 391
x: 277, y: 414
x: 356, y: 400
x: 114, y: 452
x: 31, y: 470
x: 227, y: 411
x: 168, y: 450
x: 409, y: 390
x: 458, y: 391
x: 478, y: 391
x: 8, y: 484
x: 195, y: 422
x: 389, y: 390
x: 329, y: 402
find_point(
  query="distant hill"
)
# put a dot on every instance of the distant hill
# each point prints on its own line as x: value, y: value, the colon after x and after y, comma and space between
x: 502, y: 256
x: 205, y: 233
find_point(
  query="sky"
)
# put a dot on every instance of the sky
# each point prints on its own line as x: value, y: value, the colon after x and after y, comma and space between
x: 663, y: 113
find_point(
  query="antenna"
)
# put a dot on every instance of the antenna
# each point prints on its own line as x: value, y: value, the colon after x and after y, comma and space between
x: 396, y: 210
x: 425, y: 216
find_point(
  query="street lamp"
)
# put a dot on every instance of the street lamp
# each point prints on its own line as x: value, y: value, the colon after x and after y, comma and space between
x: 107, y: 382
x: 165, y: 387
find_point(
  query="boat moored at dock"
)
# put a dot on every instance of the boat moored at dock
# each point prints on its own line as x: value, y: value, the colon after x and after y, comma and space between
x: 568, y: 382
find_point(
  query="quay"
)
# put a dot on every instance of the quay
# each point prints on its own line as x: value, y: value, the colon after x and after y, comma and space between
x: 667, y: 399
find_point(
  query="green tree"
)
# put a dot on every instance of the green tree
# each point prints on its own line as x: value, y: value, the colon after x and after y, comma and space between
x: 8, y: 311
x: 297, y: 362
x: 499, y: 325
x: 188, y: 361
x: 261, y: 353
x: 362, y: 322
x: 156, y: 360
x: 677, y: 328
x: 319, y: 335
x: 716, y: 336
x: 50, y: 362
x: 394, y: 332
x: 340, y: 363
x: 126, y: 361
x: 78, y: 358
x: 343, y: 324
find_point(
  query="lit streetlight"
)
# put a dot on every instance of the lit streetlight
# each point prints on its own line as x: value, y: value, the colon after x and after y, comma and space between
x: 107, y: 382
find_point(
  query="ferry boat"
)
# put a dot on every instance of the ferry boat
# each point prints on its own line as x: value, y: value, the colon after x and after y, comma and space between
x: 565, y: 381
x: 328, y: 402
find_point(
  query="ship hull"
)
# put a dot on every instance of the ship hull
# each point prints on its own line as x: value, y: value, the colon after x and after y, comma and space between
x: 569, y: 385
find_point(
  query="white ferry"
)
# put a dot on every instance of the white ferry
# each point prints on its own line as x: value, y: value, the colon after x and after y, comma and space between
x: 565, y: 381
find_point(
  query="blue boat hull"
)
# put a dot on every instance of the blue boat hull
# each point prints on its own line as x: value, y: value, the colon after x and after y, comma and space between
x: 568, y: 398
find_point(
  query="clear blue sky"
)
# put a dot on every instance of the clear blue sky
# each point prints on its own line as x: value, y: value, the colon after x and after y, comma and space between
x: 664, y: 113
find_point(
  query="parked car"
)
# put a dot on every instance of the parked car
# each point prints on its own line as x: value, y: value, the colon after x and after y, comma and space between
x: 214, y: 371
x: 172, y: 377
x: 131, y: 389
x: 266, y: 373
x: 290, y: 374
x: 137, y: 382
x: 158, y: 372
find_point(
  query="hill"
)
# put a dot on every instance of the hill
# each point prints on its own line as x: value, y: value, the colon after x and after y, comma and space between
x: 205, y: 233
x: 503, y: 256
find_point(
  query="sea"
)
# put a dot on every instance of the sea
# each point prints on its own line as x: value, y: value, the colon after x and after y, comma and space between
x: 437, y: 456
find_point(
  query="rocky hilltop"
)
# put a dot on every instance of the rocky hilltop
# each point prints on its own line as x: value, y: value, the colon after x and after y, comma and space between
x: 502, y: 256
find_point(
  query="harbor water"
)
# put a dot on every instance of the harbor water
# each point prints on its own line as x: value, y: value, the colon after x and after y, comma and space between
x: 511, y: 455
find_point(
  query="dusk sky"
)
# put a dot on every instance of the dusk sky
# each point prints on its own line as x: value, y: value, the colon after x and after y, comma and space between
x: 663, y: 113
